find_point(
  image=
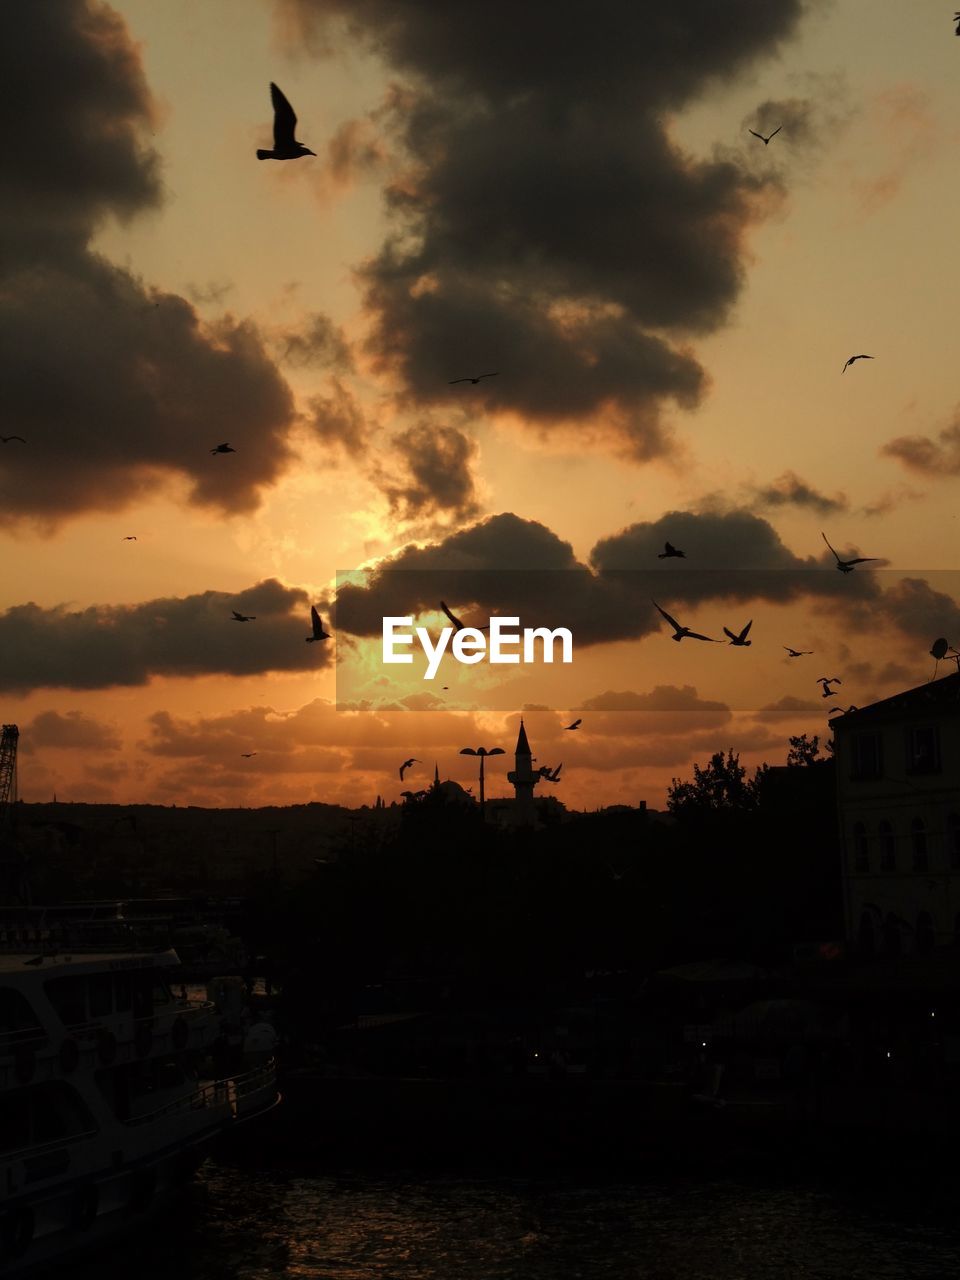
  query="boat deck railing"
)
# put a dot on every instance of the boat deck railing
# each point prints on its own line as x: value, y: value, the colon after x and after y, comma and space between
x: 215, y: 1093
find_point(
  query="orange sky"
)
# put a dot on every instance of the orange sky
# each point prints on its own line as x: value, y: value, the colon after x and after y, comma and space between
x: 668, y: 304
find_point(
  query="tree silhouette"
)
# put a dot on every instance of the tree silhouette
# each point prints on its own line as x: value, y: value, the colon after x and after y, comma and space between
x: 721, y: 786
x: 804, y: 750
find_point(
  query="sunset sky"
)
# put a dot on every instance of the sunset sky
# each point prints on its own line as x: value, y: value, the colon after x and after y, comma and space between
x: 577, y: 204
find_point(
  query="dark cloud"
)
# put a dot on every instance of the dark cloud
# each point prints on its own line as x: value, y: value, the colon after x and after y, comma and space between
x: 316, y: 343
x: 926, y: 456
x: 668, y: 709
x: 517, y: 567
x: 436, y: 474
x: 355, y: 151
x: 789, y: 490
x: 789, y: 708
x: 71, y: 730
x: 546, y: 225
x: 117, y: 388
x: 107, y: 645
x: 338, y: 420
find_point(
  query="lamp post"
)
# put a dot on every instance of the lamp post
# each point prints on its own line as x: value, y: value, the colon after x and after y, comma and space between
x: 482, y: 752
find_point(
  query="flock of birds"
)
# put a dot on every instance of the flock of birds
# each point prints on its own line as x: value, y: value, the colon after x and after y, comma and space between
x: 286, y: 146
x: 739, y: 638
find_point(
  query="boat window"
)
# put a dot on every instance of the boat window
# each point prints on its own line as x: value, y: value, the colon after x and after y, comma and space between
x: 101, y: 994
x: 15, y: 1012
x: 124, y: 992
x: 69, y: 997
x: 14, y: 1122
x: 161, y: 992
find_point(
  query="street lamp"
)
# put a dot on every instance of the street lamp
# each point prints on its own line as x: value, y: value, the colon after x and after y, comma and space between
x: 482, y: 752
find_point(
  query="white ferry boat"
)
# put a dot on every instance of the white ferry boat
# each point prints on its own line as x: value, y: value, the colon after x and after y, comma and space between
x: 108, y: 1095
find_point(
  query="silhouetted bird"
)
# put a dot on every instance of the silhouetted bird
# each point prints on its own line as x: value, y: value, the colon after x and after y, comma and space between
x: 131, y: 537
x: 670, y: 550
x: 576, y: 724
x: 956, y: 18
x: 285, y: 145
x: 318, y: 631
x: 741, y: 640
x: 7, y: 439
x: 851, y: 360
x: 766, y: 140
x: 406, y: 765
x: 841, y: 711
x: 826, y: 682
x: 548, y: 774
x: 846, y: 566
x: 247, y: 754
x: 475, y: 380
x: 243, y: 617
x: 456, y: 621
x: 683, y: 633
x: 797, y: 653
x: 223, y: 448
x: 413, y: 795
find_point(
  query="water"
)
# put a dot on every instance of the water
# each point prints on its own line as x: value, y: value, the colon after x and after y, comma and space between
x: 244, y: 1222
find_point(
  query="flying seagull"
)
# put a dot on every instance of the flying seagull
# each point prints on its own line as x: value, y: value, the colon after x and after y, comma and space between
x: 247, y: 754
x: 826, y: 682
x: 550, y: 776
x: 670, y: 550
x: 576, y: 724
x: 766, y: 141
x: 243, y: 617
x: 285, y: 145
x: 475, y: 380
x: 131, y: 537
x: 852, y: 358
x: 741, y: 640
x: 679, y: 633
x: 223, y: 448
x: 7, y: 439
x: 846, y: 566
x: 456, y: 621
x: 956, y: 18
x: 797, y: 653
x: 841, y: 711
x: 318, y: 631
x: 406, y: 765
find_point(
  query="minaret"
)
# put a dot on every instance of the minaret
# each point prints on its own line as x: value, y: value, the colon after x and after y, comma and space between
x: 524, y: 778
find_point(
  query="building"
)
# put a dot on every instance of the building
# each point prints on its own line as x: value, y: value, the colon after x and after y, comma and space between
x: 898, y: 793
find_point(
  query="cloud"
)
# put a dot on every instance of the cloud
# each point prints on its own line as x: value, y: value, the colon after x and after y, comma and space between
x: 338, y: 420
x: 118, y: 388
x: 516, y: 567
x: 546, y: 225
x: 910, y: 132
x: 789, y: 490
x: 109, y: 645
x: 665, y: 709
x: 928, y: 457
x: 316, y: 343
x: 436, y: 478
x: 69, y: 731
x: 789, y: 708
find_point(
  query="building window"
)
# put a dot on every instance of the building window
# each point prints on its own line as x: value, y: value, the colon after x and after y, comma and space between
x: 867, y: 940
x: 925, y: 936
x: 953, y: 837
x: 888, y: 847
x: 866, y: 755
x: 891, y: 935
x: 861, y: 848
x: 923, y: 749
x: 918, y: 834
